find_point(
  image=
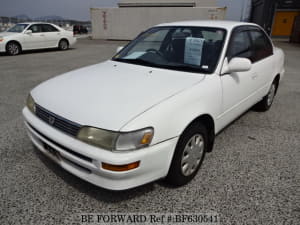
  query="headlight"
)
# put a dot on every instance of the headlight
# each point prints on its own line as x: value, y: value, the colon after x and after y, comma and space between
x: 119, y: 141
x: 134, y: 140
x: 30, y: 104
x: 94, y: 136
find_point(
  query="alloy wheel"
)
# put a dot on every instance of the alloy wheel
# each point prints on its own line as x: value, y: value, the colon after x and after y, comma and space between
x: 13, y: 49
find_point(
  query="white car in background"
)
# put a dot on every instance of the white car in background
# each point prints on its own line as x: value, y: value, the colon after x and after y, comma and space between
x: 153, y: 110
x: 30, y: 36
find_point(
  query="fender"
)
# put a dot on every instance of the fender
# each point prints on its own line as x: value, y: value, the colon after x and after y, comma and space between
x: 172, y: 116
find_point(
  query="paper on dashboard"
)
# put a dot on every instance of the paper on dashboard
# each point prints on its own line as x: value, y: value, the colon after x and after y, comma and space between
x: 193, y: 50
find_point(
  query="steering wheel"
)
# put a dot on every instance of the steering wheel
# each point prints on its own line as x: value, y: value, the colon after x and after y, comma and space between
x: 156, y: 52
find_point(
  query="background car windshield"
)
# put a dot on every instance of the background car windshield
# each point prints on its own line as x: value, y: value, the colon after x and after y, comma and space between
x: 195, y: 49
x: 18, y: 28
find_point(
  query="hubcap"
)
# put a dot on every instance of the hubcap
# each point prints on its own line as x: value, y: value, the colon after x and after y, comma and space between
x: 13, y: 49
x: 192, y: 154
x: 271, y: 95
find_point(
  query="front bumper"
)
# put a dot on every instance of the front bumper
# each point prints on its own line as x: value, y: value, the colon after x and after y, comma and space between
x: 2, y: 46
x: 84, y: 160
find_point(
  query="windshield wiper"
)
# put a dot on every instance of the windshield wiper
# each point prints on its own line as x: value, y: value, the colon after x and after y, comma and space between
x: 171, y: 66
x: 187, y: 68
x: 138, y: 61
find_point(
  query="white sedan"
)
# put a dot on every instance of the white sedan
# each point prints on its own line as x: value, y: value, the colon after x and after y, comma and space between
x: 30, y: 36
x: 153, y: 110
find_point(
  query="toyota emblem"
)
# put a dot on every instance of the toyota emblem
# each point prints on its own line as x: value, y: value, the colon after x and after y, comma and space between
x: 51, y: 120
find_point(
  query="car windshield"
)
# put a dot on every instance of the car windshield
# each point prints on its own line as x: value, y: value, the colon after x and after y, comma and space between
x: 18, y: 28
x: 192, y: 49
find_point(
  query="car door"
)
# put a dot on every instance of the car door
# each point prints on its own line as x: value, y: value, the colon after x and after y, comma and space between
x: 262, y: 62
x: 238, y: 87
x: 34, y: 40
x: 52, y: 35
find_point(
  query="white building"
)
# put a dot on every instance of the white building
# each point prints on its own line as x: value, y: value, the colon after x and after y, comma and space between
x: 167, y: 3
x: 134, y: 16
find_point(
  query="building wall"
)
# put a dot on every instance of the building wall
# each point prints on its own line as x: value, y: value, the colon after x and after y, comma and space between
x: 127, y: 23
x: 236, y: 9
x: 262, y: 13
x: 198, y: 3
x: 284, y: 17
x: 275, y: 16
x: 283, y: 22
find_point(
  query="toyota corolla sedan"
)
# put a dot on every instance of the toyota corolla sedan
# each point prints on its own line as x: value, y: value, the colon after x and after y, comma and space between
x: 30, y: 36
x: 153, y: 110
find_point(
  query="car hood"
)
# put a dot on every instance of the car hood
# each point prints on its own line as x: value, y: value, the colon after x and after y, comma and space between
x: 110, y: 94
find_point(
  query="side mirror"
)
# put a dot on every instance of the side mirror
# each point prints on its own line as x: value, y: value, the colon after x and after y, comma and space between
x: 236, y: 64
x: 28, y: 32
x: 119, y: 48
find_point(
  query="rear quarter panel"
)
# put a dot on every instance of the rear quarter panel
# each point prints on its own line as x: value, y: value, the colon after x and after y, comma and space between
x: 69, y: 36
x: 279, y: 58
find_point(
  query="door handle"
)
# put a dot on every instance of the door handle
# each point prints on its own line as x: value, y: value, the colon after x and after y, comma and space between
x: 42, y: 35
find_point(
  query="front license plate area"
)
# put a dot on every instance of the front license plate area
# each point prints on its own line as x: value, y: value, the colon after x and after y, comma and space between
x: 51, y: 150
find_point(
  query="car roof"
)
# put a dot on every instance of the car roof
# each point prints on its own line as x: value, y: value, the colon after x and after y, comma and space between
x: 30, y: 23
x: 226, y: 24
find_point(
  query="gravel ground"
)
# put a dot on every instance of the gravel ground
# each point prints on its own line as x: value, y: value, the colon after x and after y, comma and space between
x: 252, y: 176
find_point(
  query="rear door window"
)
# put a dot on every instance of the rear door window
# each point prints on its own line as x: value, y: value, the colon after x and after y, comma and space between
x: 261, y: 45
x: 48, y: 28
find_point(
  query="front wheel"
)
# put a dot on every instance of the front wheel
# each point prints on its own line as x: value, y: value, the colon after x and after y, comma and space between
x: 63, y: 45
x: 189, y: 155
x: 13, y: 48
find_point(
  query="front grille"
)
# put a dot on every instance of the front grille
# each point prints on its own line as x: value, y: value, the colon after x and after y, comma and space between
x: 56, y: 121
x: 83, y: 157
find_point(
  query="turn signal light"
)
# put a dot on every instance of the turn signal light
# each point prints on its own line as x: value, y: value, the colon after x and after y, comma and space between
x: 120, y: 168
x: 147, y: 138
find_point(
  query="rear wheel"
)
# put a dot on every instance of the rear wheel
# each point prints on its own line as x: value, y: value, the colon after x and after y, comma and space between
x: 63, y: 44
x: 13, y: 48
x: 266, y: 103
x: 189, y: 155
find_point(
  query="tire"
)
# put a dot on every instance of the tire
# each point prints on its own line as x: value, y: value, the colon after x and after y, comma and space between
x: 186, y: 161
x: 63, y: 45
x: 13, y: 48
x: 266, y: 103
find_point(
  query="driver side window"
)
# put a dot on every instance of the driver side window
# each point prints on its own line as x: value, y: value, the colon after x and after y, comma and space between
x: 240, y: 46
x: 36, y: 28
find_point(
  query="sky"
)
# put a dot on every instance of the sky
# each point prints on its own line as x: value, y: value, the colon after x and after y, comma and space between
x: 79, y: 9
